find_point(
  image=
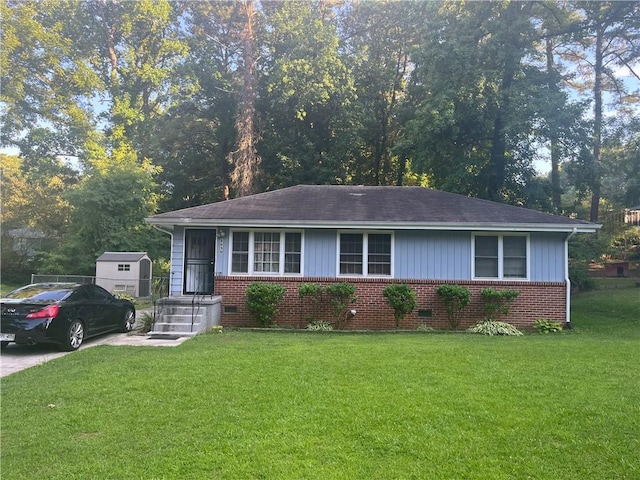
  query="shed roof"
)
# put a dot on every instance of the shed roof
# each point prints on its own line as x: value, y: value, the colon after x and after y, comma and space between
x: 345, y: 206
x: 121, y: 256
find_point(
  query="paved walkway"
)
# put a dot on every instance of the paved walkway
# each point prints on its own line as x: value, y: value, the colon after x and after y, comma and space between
x: 20, y: 357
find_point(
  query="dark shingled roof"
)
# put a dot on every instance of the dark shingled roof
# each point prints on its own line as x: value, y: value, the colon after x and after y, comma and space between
x: 318, y: 205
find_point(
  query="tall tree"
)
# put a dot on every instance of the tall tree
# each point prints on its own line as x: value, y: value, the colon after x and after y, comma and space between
x: 378, y: 38
x: 472, y: 93
x: 46, y: 81
x: 245, y: 158
x: 610, y: 40
x: 561, y: 126
x: 306, y: 90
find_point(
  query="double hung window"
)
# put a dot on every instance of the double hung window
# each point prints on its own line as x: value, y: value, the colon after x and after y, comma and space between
x: 501, y: 256
x: 365, y: 254
x: 262, y: 252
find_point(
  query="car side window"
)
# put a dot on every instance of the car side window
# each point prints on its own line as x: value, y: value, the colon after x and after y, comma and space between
x: 78, y: 296
x: 98, y: 293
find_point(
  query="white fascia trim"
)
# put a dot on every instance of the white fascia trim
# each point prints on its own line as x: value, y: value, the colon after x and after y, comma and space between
x: 476, y: 226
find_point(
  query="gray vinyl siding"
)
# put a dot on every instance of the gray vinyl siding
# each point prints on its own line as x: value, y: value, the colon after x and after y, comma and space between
x: 438, y: 255
x: 547, y: 257
x: 320, y: 251
x: 177, y: 261
x: 432, y: 255
x: 222, y: 254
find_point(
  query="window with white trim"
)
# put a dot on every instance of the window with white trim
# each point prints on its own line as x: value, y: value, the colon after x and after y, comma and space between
x: 266, y: 252
x: 364, y: 254
x: 501, y: 256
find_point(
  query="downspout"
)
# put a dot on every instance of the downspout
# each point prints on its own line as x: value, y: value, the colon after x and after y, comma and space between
x: 566, y: 278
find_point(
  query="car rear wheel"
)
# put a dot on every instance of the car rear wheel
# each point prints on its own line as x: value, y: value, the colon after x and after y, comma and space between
x: 128, y: 321
x: 75, y: 336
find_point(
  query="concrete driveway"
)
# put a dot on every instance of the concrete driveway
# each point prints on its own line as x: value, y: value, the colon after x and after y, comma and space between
x: 20, y: 357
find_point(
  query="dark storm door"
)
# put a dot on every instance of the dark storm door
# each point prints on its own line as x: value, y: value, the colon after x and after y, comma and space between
x: 199, y: 251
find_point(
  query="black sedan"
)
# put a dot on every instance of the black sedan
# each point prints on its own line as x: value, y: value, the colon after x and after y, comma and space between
x: 62, y: 313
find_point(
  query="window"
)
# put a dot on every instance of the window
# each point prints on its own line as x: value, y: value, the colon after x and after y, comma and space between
x: 240, y: 255
x: 351, y: 253
x: 266, y: 252
x: 292, y: 252
x: 500, y: 256
x: 271, y: 252
x: 356, y: 247
x: 124, y: 267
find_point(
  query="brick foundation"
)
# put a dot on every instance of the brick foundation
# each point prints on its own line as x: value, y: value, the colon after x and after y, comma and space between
x: 537, y: 300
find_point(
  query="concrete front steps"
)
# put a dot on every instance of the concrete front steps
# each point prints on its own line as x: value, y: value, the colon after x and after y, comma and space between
x: 185, y: 316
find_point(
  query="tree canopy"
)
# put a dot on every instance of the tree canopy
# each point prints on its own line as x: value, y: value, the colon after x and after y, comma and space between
x: 128, y: 108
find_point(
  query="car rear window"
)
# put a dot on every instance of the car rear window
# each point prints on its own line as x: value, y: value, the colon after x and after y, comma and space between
x: 40, y: 293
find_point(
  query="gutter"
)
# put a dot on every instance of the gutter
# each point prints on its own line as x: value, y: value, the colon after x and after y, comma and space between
x: 566, y: 278
x: 386, y: 225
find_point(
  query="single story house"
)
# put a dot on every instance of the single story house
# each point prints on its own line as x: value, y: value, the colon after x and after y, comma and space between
x: 124, y: 272
x: 370, y: 237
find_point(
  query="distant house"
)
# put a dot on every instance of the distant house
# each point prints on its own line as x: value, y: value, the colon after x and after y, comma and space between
x: 371, y: 237
x: 26, y: 242
x: 632, y: 216
x: 124, y: 272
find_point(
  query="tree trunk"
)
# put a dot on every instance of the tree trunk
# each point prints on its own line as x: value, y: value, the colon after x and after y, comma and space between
x: 556, y: 190
x: 597, y: 126
x: 245, y: 157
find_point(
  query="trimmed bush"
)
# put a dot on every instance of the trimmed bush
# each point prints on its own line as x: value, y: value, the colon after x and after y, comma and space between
x: 263, y: 299
x: 313, y: 292
x: 341, y: 296
x: 497, y: 302
x: 455, y: 299
x: 401, y: 298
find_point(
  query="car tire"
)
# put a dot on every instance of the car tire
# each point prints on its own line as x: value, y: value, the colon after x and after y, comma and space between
x: 74, y: 337
x: 3, y: 345
x: 128, y: 321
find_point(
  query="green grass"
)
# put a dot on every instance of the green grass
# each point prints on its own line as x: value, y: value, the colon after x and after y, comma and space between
x: 245, y: 405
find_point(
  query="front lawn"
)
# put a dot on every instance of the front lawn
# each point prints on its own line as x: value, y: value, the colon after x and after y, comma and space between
x: 244, y: 405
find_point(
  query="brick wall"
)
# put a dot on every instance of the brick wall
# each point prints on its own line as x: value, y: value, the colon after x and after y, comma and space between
x: 537, y: 300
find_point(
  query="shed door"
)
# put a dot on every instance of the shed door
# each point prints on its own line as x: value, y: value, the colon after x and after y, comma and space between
x: 144, y: 289
x: 199, y: 261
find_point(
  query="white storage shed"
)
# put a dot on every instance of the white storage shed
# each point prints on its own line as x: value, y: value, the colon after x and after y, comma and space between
x: 124, y: 272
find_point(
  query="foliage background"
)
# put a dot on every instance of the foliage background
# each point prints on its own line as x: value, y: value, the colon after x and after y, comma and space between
x: 113, y: 111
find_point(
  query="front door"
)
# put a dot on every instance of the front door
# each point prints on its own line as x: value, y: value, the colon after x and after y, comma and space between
x: 199, y: 261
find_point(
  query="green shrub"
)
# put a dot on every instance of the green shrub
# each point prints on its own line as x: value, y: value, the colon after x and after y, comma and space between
x: 313, y: 292
x: 341, y: 295
x: 319, y: 326
x: 263, y: 299
x: 579, y: 275
x: 455, y: 299
x: 497, y: 302
x: 401, y: 298
x: 492, y: 327
x: 425, y: 328
x: 147, y: 320
x: 309, y: 290
x: 124, y: 296
x: 547, y: 326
